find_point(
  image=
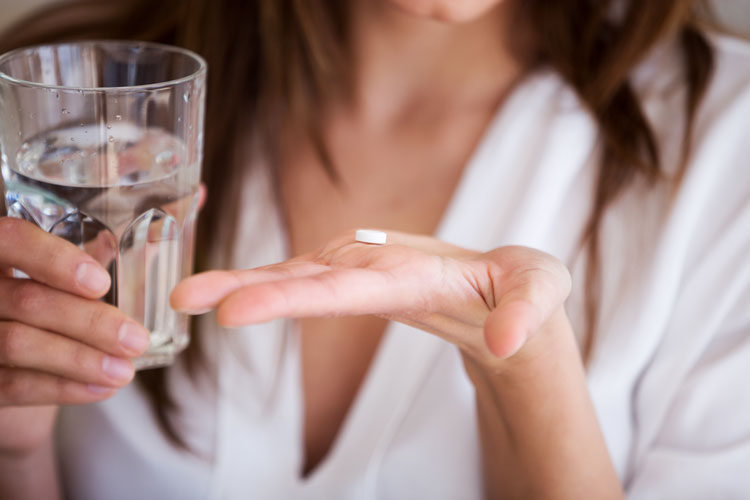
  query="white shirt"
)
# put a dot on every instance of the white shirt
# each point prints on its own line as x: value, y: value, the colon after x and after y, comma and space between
x: 670, y: 371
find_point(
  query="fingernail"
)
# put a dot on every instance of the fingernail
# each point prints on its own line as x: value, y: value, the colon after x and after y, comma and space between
x: 92, y: 277
x: 117, y: 368
x: 99, y: 389
x: 132, y: 337
x: 197, y: 312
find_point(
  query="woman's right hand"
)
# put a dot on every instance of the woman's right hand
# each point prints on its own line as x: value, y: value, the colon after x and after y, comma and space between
x: 58, y: 344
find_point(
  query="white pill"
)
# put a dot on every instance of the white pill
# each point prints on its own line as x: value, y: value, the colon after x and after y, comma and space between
x: 370, y: 236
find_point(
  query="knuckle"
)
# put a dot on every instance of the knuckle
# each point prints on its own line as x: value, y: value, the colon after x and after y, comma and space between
x: 97, y: 317
x: 5, y: 378
x: 13, y: 387
x: 25, y: 297
x: 9, y: 225
x: 57, y: 257
x: 64, y: 391
x: 81, y: 359
x: 15, y: 233
x: 11, y: 343
x: 9, y: 229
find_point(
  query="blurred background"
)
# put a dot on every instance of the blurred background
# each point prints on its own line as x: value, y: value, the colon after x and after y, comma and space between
x: 734, y: 14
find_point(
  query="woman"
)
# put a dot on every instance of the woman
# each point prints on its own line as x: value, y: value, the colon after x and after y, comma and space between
x: 526, y: 136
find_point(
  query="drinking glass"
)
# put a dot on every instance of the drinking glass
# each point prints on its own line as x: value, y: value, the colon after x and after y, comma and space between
x: 101, y: 144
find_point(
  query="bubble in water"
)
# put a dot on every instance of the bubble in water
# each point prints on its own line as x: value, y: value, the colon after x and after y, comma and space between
x: 179, y: 119
x: 72, y: 139
x: 57, y: 95
x: 81, y: 124
x: 185, y: 97
x: 109, y: 127
x: 65, y: 111
x: 118, y: 117
x: 111, y: 139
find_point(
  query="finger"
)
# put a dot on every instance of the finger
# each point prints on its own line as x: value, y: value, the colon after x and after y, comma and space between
x: 508, y: 327
x: 334, y: 293
x: 50, y: 260
x: 519, y: 314
x: 23, y: 346
x: 20, y: 387
x: 202, y: 292
x: 94, y: 323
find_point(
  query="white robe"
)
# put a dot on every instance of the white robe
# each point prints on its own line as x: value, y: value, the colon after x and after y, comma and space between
x: 670, y: 370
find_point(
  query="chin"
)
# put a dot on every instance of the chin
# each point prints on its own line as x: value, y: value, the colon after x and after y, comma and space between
x: 448, y: 11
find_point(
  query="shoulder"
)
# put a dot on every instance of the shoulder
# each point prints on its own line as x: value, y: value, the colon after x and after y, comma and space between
x: 732, y: 55
x: 716, y: 188
x: 721, y: 136
x: 709, y: 211
x: 723, y: 118
x: 662, y: 71
x: 728, y: 94
x: 720, y: 139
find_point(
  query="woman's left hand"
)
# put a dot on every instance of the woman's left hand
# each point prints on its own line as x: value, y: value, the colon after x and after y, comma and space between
x: 537, y: 426
x: 488, y: 304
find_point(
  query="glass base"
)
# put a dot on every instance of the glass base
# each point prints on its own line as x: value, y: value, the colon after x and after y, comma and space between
x: 154, y: 360
x: 165, y: 346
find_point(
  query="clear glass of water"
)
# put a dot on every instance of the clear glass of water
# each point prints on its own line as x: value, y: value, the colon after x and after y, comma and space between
x: 101, y: 144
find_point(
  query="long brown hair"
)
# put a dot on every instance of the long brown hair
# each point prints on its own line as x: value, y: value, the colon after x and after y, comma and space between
x: 280, y: 58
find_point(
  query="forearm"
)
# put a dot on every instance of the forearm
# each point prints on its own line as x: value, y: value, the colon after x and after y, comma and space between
x: 539, y: 433
x: 30, y: 476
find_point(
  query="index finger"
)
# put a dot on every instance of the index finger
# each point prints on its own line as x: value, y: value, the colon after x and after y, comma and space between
x: 202, y: 292
x: 50, y: 260
x: 341, y: 292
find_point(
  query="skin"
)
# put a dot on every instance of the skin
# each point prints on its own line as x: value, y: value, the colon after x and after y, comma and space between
x: 58, y: 345
x: 385, y: 144
x: 503, y: 309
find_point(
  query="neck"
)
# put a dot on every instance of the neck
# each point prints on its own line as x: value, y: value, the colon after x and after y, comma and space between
x: 404, y: 62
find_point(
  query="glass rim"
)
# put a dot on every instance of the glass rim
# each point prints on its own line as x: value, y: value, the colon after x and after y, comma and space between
x: 202, y: 66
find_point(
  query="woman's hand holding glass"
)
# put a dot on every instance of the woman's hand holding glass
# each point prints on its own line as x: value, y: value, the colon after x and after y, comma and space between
x: 58, y: 343
x: 488, y: 304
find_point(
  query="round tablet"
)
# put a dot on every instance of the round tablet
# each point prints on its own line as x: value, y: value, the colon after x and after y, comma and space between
x: 370, y: 236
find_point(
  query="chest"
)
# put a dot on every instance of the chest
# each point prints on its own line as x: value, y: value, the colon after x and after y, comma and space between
x: 399, y: 178
x: 402, y: 181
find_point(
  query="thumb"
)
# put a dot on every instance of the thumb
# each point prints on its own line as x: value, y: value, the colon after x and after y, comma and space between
x: 510, y: 325
x: 521, y: 312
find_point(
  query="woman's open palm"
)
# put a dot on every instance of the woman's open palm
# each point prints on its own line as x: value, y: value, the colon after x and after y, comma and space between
x: 457, y: 294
